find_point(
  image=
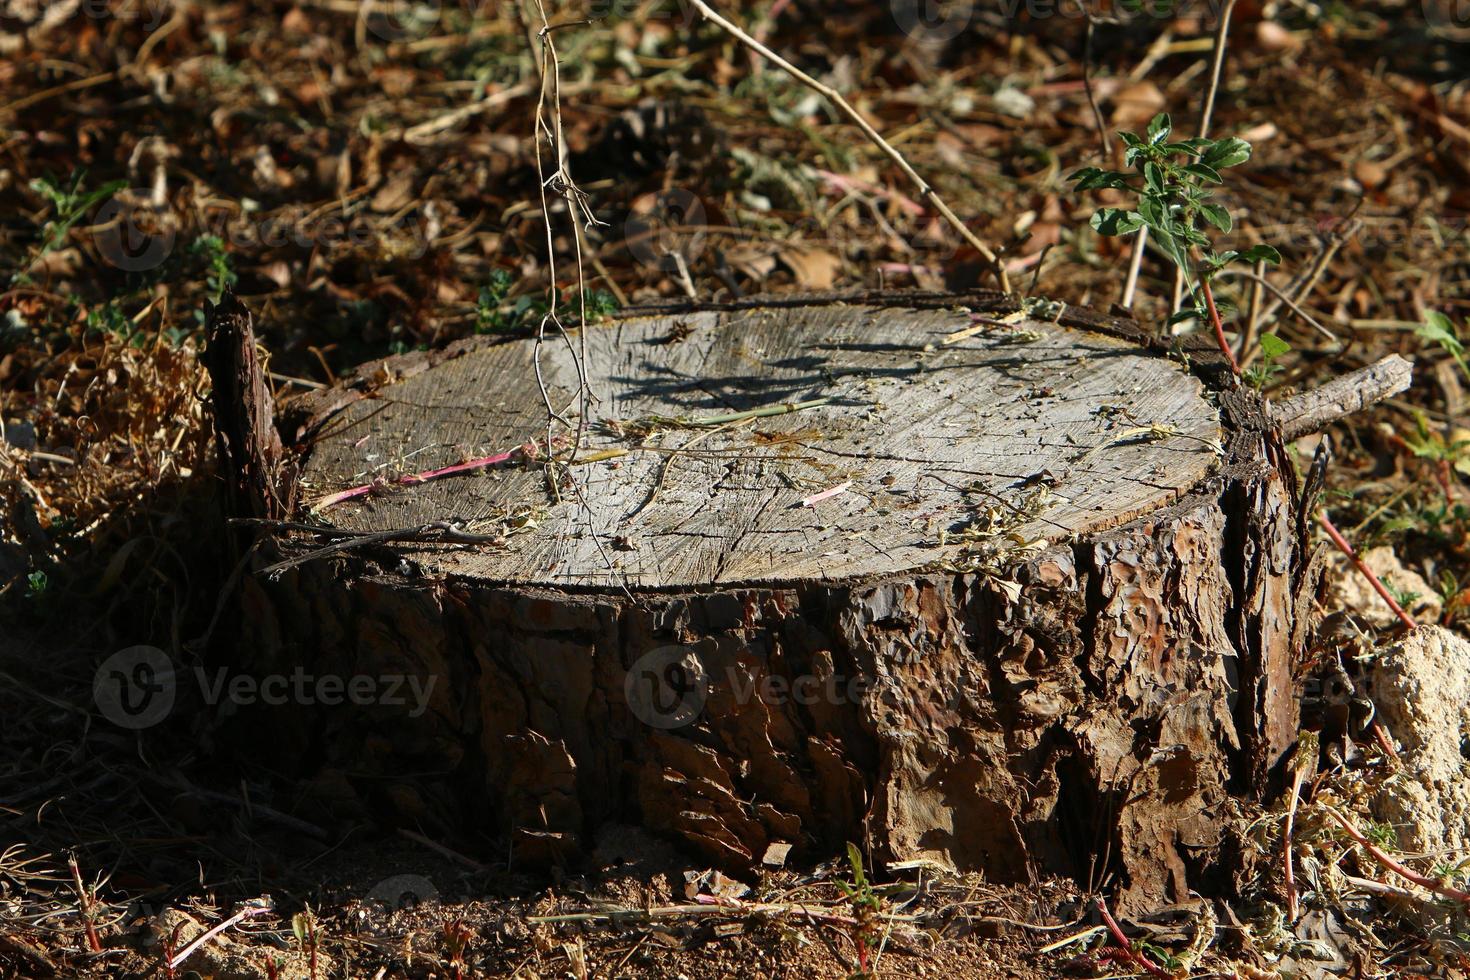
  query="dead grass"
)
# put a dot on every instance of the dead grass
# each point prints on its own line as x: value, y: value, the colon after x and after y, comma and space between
x: 368, y: 183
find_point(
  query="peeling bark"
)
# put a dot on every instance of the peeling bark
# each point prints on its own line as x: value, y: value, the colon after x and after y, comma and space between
x: 1091, y: 709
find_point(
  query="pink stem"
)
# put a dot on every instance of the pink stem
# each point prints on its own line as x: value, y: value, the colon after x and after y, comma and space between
x: 1137, y: 959
x: 498, y: 459
x: 1219, y: 326
x: 1394, y: 866
x: 1347, y: 549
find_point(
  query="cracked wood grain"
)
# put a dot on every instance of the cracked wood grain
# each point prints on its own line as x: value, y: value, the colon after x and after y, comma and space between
x: 1012, y: 403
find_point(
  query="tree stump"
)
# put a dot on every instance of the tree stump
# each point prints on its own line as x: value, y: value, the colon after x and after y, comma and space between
x: 1008, y: 590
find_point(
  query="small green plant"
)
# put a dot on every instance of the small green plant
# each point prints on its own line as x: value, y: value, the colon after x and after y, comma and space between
x: 1404, y: 597
x: 70, y: 204
x: 866, y: 908
x: 36, y: 585
x: 109, y: 320
x: 600, y: 305
x: 221, y: 274
x: 1440, y: 329
x: 1272, y: 349
x: 303, y: 924
x: 492, y: 312
x: 1382, y: 835
x: 1425, y: 443
x: 496, y: 312
x: 1173, y: 182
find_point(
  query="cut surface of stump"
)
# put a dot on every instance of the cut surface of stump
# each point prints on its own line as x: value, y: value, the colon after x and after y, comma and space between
x: 964, y: 585
x: 1013, y: 436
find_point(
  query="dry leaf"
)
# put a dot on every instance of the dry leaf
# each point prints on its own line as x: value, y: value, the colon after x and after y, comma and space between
x: 815, y: 268
x: 1135, y: 105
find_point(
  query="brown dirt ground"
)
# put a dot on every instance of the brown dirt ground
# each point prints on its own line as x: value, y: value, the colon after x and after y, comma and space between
x: 261, y: 122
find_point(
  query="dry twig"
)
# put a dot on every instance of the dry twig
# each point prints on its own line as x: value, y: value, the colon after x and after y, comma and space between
x: 837, y: 99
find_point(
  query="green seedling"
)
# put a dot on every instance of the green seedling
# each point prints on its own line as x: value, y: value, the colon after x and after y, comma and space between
x: 1440, y: 329
x: 1173, y: 181
x: 1272, y: 349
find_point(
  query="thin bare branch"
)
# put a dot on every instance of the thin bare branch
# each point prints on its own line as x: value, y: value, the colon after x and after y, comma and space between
x: 837, y: 99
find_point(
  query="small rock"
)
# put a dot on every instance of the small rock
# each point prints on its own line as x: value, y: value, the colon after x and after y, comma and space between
x: 1421, y: 689
x: 1348, y: 590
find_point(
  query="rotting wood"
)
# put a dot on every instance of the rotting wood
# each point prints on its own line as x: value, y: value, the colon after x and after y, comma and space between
x: 259, y: 478
x: 1086, y: 698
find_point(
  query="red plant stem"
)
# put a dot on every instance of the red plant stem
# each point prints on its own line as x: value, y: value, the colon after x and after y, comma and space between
x: 1347, y: 549
x: 1137, y: 959
x: 474, y: 464
x: 1219, y: 327
x: 1298, y: 777
x: 1392, y: 865
x: 85, y: 902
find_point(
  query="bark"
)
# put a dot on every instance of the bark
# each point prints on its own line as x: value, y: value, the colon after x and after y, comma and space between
x: 1092, y: 705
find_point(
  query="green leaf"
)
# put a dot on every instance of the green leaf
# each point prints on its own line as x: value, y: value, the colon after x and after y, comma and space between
x: 1186, y: 148
x: 1129, y: 139
x: 1231, y: 152
x: 1203, y: 172
x: 1153, y: 175
x: 1273, y: 346
x: 1091, y: 179
x: 1217, y: 216
x: 1155, y: 212
x: 1261, y: 253
x: 1160, y: 129
x: 1116, y: 221
x: 1440, y: 329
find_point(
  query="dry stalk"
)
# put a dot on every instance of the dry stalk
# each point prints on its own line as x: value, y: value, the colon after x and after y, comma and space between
x: 836, y: 98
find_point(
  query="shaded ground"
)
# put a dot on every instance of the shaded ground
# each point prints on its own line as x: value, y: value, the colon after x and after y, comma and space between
x: 366, y: 180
